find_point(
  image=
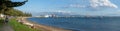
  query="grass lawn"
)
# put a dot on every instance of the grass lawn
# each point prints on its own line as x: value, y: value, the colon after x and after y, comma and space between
x: 20, y: 27
x: 1, y: 22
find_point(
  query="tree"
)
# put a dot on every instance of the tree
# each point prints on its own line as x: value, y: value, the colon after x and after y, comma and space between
x: 15, y: 12
x: 6, y: 5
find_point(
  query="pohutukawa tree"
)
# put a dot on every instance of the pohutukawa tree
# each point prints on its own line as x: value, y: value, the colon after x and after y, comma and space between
x: 6, y: 5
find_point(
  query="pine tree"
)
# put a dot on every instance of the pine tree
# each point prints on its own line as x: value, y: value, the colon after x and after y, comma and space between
x: 6, y: 5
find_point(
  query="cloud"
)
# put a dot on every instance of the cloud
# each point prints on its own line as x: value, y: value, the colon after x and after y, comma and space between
x: 93, y: 4
x: 99, y: 3
x: 77, y: 6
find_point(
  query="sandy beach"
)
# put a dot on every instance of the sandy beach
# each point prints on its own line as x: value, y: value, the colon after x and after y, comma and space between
x: 42, y: 27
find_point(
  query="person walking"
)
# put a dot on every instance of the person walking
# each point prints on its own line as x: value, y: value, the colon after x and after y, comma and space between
x: 6, y: 19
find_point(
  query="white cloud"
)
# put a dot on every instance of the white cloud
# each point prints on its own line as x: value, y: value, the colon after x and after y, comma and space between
x: 77, y: 6
x: 98, y: 3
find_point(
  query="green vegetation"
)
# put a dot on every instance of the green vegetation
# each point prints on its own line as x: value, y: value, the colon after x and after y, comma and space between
x: 1, y: 21
x: 15, y: 12
x: 6, y: 8
x: 6, y: 5
x: 20, y: 27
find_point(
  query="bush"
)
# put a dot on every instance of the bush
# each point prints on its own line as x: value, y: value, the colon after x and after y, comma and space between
x: 1, y: 20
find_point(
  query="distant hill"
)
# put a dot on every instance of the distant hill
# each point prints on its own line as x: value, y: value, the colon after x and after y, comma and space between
x: 61, y: 14
x: 66, y: 14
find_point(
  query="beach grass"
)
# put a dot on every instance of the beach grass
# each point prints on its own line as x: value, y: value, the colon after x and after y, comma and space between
x: 20, y: 27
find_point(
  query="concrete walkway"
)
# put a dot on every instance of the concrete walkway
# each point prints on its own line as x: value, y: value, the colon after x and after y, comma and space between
x: 6, y: 27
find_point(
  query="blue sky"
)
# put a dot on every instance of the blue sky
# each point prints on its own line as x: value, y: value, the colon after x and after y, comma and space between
x: 81, y: 7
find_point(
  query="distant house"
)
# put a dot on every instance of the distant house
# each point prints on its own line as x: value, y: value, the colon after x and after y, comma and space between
x: 1, y: 15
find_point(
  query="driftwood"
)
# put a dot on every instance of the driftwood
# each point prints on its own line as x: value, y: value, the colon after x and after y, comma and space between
x: 26, y: 23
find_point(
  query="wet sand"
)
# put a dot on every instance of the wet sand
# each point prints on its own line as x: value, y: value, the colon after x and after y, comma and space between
x: 42, y: 27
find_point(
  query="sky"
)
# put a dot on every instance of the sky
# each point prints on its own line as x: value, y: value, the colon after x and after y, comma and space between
x: 81, y: 7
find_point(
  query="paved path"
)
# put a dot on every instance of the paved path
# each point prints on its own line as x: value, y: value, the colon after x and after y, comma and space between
x: 6, y: 27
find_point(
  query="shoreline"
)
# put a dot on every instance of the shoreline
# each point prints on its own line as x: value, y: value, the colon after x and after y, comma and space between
x: 42, y: 27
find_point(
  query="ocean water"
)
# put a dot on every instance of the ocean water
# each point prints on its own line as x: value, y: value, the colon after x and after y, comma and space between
x: 82, y: 23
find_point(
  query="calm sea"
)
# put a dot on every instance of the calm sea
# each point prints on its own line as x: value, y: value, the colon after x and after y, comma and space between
x: 82, y: 23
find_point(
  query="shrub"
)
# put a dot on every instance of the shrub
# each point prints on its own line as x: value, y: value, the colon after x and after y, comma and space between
x: 1, y: 20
